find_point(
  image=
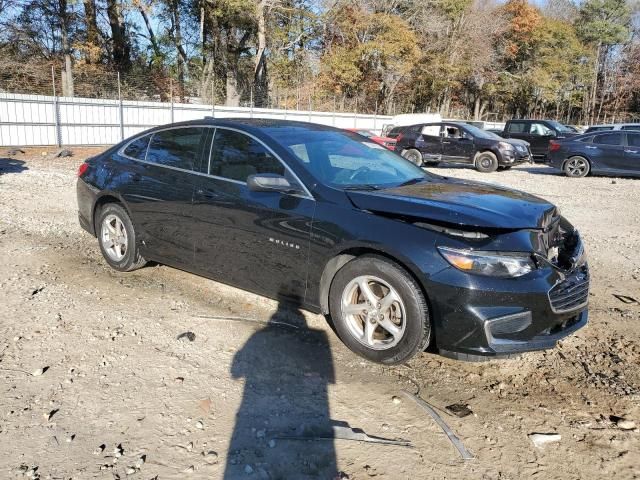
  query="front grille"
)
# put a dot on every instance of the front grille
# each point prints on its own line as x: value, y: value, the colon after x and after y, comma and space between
x: 572, y: 293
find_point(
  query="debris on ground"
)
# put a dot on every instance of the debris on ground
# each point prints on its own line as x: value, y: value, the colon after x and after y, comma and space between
x: 625, y: 298
x: 14, y: 151
x: 63, y: 153
x: 466, y: 454
x: 345, y: 433
x: 459, y: 410
x: 539, y: 440
x: 187, y: 336
x: 623, y: 423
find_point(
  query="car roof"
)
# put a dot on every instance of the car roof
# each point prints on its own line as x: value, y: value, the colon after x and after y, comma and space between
x: 614, y: 124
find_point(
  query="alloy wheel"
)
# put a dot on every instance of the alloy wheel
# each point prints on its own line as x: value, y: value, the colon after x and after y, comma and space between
x: 114, y: 237
x: 374, y: 312
x: 577, y: 167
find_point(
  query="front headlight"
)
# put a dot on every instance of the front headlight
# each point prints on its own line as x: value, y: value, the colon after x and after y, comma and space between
x: 493, y: 264
x: 505, y: 146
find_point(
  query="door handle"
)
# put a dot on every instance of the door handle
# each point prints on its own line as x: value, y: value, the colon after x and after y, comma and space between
x: 205, y: 193
x: 591, y: 148
x: 631, y: 151
x: 446, y: 142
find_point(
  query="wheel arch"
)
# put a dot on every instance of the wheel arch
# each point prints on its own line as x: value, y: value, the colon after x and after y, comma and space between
x: 103, y: 199
x: 342, y: 258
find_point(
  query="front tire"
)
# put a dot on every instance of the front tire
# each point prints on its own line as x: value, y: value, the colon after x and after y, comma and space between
x: 117, y: 239
x: 379, y: 310
x: 486, y: 162
x: 414, y: 156
x: 577, y: 167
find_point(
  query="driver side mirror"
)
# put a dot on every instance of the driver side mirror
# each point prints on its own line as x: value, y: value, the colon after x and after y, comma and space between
x: 269, y: 182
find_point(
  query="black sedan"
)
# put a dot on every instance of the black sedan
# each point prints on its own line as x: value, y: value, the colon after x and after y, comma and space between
x: 605, y: 153
x: 397, y: 256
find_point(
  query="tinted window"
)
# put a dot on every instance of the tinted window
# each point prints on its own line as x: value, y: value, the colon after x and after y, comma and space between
x: 236, y: 156
x: 177, y: 147
x: 138, y: 148
x: 608, y: 139
x: 635, y: 126
x: 633, y: 139
x: 517, y: 127
x: 431, y: 130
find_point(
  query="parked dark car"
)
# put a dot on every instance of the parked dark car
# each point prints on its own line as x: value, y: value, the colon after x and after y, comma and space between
x: 538, y: 133
x: 613, y: 126
x: 452, y: 142
x: 397, y: 256
x: 605, y: 153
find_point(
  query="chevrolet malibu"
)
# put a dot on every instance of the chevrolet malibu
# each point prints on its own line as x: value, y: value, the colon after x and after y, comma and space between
x: 396, y: 257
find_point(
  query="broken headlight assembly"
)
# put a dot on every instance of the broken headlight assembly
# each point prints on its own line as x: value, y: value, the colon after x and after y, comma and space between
x: 492, y: 264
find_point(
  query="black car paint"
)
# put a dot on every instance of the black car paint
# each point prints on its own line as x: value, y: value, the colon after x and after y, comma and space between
x: 621, y: 160
x: 275, y: 243
x: 539, y: 144
x: 440, y: 148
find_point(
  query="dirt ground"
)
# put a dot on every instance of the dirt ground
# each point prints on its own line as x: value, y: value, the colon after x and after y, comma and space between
x: 95, y: 383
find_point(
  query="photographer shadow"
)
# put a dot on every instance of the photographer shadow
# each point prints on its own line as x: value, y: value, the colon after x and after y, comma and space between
x: 287, y: 371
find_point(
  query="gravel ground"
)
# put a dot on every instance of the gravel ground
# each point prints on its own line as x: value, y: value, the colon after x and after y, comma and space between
x: 96, y: 384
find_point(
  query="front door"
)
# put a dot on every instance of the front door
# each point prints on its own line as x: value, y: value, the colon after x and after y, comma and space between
x: 457, y: 145
x: 539, y: 137
x: 258, y: 241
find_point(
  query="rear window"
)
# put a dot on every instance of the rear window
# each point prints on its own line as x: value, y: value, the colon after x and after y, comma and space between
x: 394, y: 132
x: 633, y: 126
x: 517, y: 127
x: 138, y: 148
x: 176, y: 147
x: 608, y: 139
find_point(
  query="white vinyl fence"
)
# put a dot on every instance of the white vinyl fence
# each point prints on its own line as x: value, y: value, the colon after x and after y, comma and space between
x: 41, y: 120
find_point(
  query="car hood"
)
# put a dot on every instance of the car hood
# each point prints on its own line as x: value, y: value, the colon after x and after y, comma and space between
x: 458, y: 202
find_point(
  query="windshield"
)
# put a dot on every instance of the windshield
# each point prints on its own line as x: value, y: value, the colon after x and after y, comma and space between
x: 346, y: 160
x: 478, y: 132
x: 560, y: 127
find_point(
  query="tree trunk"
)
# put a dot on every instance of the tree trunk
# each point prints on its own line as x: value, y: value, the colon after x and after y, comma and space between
x: 67, y: 73
x: 233, y: 95
x: 177, y: 40
x: 594, y: 91
x: 152, y: 37
x: 119, y: 44
x: 260, y: 84
x: 93, y: 34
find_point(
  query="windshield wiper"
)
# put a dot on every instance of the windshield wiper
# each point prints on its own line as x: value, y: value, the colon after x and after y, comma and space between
x: 363, y: 186
x: 412, y: 181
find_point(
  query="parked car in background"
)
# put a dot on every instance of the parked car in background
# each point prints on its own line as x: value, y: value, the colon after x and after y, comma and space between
x: 486, y: 125
x: 406, y: 119
x: 613, y: 126
x: 388, y: 142
x: 576, y: 129
x: 433, y: 143
x: 605, y: 153
x: 397, y: 256
x: 538, y: 133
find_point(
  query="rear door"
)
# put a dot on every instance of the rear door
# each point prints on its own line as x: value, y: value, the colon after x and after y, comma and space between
x: 429, y: 141
x: 517, y: 129
x: 159, y: 193
x: 258, y: 241
x: 609, y: 150
x: 632, y: 153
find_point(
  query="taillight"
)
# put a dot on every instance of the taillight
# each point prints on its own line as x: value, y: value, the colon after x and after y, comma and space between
x: 553, y: 146
x: 399, y: 137
x: 82, y: 169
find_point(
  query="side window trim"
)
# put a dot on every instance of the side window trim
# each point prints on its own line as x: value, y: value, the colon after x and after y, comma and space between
x: 266, y: 147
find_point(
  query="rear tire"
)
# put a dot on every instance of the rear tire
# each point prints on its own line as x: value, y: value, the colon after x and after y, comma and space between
x: 117, y: 239
x: 379, y: 310
x: 486, y: 162
x: 577, y: 167
x: 414, y: 156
